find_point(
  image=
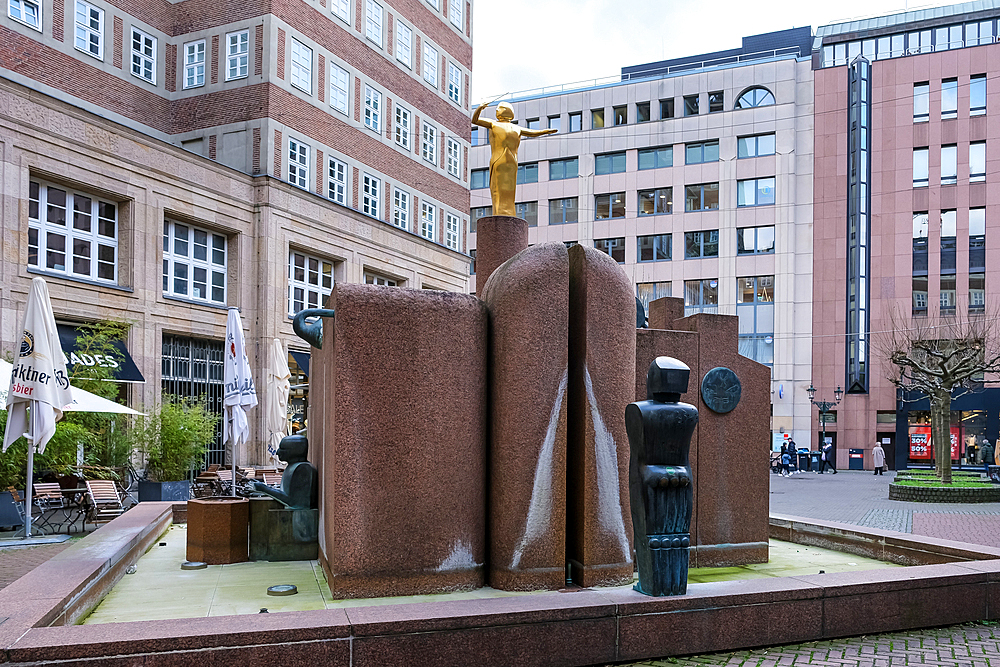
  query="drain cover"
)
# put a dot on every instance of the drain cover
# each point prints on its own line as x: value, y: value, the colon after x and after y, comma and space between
x: 282, y: 589
x: 193, y: 565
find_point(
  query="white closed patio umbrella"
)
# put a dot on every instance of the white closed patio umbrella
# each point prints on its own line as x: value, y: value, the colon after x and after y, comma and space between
x: 277, y: 388
x: 240, y: 392
x: 39, y: 386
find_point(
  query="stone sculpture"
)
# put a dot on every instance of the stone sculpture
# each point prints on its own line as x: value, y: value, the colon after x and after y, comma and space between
x: 299, y: 481
x: 660, y: 483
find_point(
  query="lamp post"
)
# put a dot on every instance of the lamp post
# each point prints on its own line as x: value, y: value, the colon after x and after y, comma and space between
x: 824, y: 408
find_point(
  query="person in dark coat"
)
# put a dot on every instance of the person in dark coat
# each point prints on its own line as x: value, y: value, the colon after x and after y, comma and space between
x: 826, y: 459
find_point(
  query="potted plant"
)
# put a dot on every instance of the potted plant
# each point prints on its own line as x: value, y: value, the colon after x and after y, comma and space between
x: 172, y: 440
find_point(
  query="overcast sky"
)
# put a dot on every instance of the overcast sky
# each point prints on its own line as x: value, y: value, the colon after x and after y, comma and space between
x: 525, y: 44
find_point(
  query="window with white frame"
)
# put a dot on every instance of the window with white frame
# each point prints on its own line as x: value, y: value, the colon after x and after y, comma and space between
x: 404, y: 44
x: 977, y: 161
x: 298, y: 163
x: 428, y: 218
x: 430, y: 65
x: 455, y: 13
x: 435, y: 4
x: 336, y: 181
x: 373, y: 21
x: 194, y: 64
x: 452, y: 224
x: 342, y: 10
x: 72, y: 233
x: 375, y: 279
x: 89, y: 29
x: 310, y: 280
x: 237, y: 55
x: 454, y: 157
x: 302, y: 57
x: 373, y: 109
x: 402, y: 128
x: 143, y: 55
x: 370, y: 195
x: 194, y: 263
x: 454, y: 83
x: 428, y: 143
x: 401, y: 209
x: 26, y: 12
x: 339, y: 80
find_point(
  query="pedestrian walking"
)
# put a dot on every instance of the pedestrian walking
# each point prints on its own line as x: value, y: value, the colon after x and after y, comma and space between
x: 878, y: 457
x: 786, y: 460
x: 826, y: 459
x: 986, y: 452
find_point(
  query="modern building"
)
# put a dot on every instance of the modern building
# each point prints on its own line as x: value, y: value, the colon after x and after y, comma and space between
x: 163, y: 161
x: 903, y: 213
x: 696, y: 175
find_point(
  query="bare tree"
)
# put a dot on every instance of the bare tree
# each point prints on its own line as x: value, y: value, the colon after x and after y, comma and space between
x: 942, y: 357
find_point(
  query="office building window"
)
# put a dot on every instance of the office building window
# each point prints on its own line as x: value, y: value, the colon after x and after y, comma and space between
x: 477, y: 213
x: 921, y: 102
x: 977, y: 95
x: 402, y: 127
x: 977, y: 260
x: 563, y: 169
x: 701, y: 151
x: 404, y: 44
x: 375, y: 279
x: 919, y: 262
x: 702, y: 197
x: 555, y: 123
x: 527, y: 173
x: 655, y: 248
x: 336, y: 184
x: 979, y: 33
x: 428, y: 143
x: 143, y: 56
x: 690, y: 105
x: 533, y: 123
x: 920, y: 167
x: 666, y: 109
x: 701, y: 244
x: 237, y: 55
x: 428, y: 220
x: 647, y: 292
x: 755, y: 240
x: 755, y: 192
x: 576, y: 121
x: 479, y: 179
x: 977, y: 293
x: 194, y: 64
x: 370, y: 193
x: 977, y: 161
x: 755, y: 310
x: 477, y: 137
x: 949, y: 99
x: 949, y: 231
x: 949, y: 165
x: 401, y: 208
x: 89, y: 29
x: 342, y: 10
x: 563, y: 211
x: 72, y: 233
x: 656, y: 158
x: 472, y: 268
x: 25, y: 11
x: 373, y: 109
x: 609, y: 163
x: 430, y: 65
x: 609, y: 206
x: 455, y: 13
x: 454, y: 83
x: 755, y: 97
x: 527, y: 211
x: 310, y: 281
x: 194, y: 263
x: 756, y: 146
x: 642, y: 112
x: 596, y: 118
x: 716, y: 101
x: 373, y: 21
x: 298, y: 164
x: 656, y: 201
x: 301, y: 66
x: 452, y: 224
x: 701, y: 296
x: 454, y: 157
x: 621, y: 115
x: 614, y: 247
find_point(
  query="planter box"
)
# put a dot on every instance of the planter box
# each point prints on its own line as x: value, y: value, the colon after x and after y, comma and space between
x: 218, y: 530
x: 924, y: 494
x: 158, y: 491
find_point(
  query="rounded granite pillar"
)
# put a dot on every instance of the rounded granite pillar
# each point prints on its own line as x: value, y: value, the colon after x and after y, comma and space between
x: 498, y: 238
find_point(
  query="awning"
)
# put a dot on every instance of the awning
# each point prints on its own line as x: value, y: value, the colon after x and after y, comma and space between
x: 302, y: 359
x: 125, y: 369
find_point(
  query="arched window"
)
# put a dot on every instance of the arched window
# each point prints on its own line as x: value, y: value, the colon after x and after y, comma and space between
x: 755, y: 97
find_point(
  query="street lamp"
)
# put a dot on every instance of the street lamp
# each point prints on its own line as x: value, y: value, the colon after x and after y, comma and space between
x: 824, y: 408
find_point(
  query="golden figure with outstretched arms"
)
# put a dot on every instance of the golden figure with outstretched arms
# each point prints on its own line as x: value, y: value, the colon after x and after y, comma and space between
x: 505, y: 137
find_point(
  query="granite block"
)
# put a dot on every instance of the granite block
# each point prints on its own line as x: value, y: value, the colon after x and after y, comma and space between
x: 528, y: 302
x: 663, y: 312
x: 498, y: 238
x: 218, y: 530
x: 398, y: 435
x: 601, y: 357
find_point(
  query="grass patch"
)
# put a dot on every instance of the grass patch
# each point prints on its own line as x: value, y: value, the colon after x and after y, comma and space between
x: 935, y: 483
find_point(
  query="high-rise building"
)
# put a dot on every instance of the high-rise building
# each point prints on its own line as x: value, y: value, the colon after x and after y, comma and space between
x: 163, y: 161
x: 696, y: 175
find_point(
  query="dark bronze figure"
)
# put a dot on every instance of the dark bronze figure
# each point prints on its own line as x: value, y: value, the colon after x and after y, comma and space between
x: 299, y: 482
x: 660, y: 484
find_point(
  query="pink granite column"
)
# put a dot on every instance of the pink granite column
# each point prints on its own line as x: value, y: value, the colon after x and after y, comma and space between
x: 498, y: 238
x: 601, y: 385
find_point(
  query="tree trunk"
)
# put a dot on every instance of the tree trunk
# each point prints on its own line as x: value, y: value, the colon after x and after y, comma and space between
x: 941, y: 434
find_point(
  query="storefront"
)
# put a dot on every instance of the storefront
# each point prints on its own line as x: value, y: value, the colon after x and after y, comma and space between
x: 975, y: 416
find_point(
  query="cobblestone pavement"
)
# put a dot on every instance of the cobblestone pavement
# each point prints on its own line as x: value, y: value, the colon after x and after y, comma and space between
x: 18, y: 561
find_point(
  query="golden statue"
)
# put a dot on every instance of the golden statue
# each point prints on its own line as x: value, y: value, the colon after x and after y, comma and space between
x: 505, y: 137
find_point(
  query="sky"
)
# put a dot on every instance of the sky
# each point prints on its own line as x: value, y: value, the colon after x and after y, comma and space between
x: 519, y: 45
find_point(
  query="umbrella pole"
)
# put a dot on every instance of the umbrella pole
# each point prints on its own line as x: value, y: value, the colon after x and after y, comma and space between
x: 233, y: 460
x: 27, y: 487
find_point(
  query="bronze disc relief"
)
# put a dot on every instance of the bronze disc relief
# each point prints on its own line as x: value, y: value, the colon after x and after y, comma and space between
x: 721, y: 390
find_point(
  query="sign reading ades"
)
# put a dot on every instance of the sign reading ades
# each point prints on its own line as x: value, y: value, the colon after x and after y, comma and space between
x: 124, y: 368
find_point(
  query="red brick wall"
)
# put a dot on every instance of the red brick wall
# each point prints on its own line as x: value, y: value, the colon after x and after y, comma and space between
x: 281, y: 54
x: 214, y: 59
x: 279, y: 151
x: 355, y: 184
x: 58, y: 16
x: 256, y: 150
x: 321, y: 79
x: 116, y: 59
x: 320, y: 170
x: 170, y: 68
x: 358, y: 102
x: 258, y: 50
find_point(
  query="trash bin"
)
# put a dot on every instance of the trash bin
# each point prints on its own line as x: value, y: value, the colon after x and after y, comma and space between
x: 814, y: 460
x: 803, y: 461
x: 856, y: 459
